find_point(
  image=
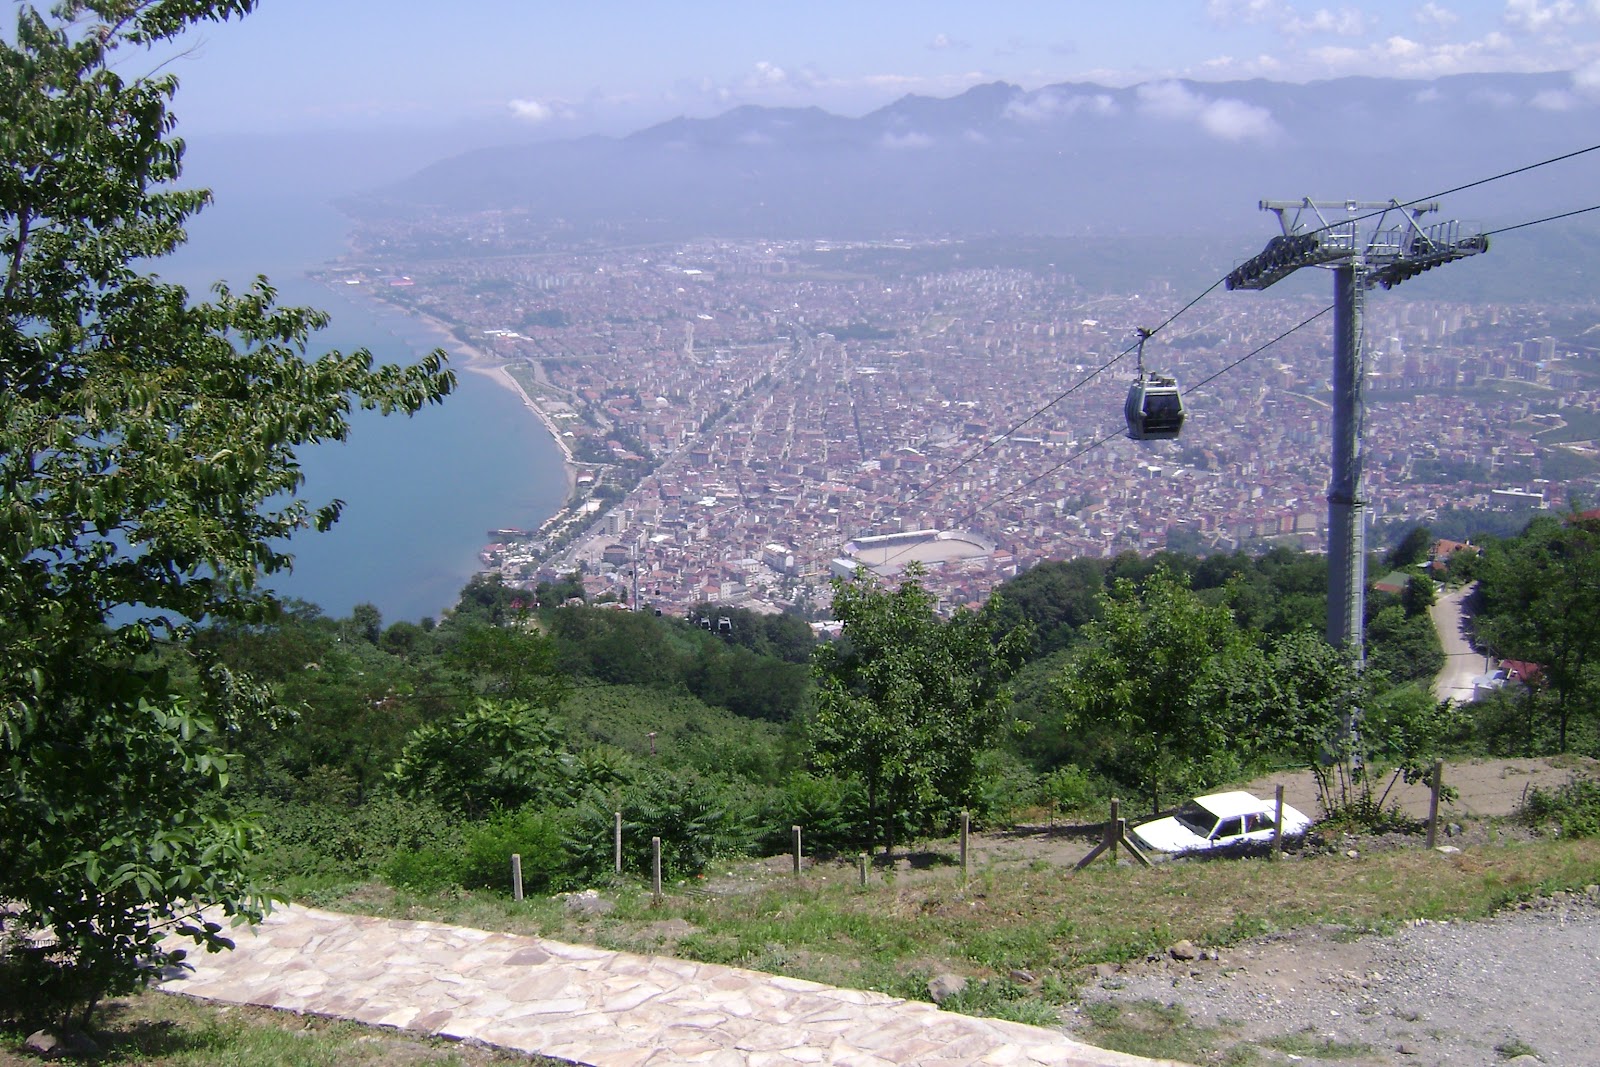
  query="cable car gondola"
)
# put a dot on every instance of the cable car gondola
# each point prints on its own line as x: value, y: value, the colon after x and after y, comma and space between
x: 1155, y: 408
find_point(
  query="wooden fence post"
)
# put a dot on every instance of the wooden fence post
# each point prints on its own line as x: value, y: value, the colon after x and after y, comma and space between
x: 1277, y: 832
x: 861, y: 864
x: 1112, y: 833
x: 1433, y: 801
x: 795, y: 834
x: 966, y: 830
x: 516, y: 876
x: 1116, y: 833
x: 655, y: 871
x: 616, y: 844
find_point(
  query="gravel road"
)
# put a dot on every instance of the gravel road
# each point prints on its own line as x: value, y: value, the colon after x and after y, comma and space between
x: 1523, y: 984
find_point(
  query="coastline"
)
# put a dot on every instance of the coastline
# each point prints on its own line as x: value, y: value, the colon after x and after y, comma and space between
x: 476, y: 361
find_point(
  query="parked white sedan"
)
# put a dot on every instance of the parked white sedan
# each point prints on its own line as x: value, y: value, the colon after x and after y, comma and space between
x: 1219, y: 821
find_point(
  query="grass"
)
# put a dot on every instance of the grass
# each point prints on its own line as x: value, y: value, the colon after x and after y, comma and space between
x: 907, y: 926
x: 1310, y: 1043
x: 1024, y: 931
x: 1162, y: 1031
x: 159, y: 1030
x: 1514, y: 1047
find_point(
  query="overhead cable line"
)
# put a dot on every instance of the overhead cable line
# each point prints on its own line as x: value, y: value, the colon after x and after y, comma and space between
x: 1120, y: 356
x: 1092, y: 375
x: 1460, y: 188
x: 1198, y: 385
x: 1547, y: 218
x: 973, y: 513
x: 1079, y: 384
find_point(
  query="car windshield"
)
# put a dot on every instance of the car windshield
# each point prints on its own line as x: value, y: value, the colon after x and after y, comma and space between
x: 1199, y: 820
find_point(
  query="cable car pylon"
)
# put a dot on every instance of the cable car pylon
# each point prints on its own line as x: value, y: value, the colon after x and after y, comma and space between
x: 1397, y: 248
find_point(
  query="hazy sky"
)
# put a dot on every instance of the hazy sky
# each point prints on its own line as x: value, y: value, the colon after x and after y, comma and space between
x: 568, y: 68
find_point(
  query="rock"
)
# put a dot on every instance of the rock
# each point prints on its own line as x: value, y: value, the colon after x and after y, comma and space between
x: 42, y: 1042
x: 51, y: 1047
x: 1452, y: 829
x: 1106, y: 970
x: 1405, y: 1050
x: 945, y: 986
x: 1021, y: 976
x: 588, y: 902
x: 1353, y: 854
x: 1184, y: 950
x: 1447, y: 849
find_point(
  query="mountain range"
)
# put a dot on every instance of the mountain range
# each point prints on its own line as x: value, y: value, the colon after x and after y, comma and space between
x: 1174, y: 157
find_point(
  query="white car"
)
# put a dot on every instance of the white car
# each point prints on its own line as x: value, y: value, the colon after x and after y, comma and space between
x: 1219, y: 821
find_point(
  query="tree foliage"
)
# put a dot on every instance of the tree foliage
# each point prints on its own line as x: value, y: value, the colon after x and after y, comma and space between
x: 908, y: 701
x: 1152, y: 677
x: 147, y: 466
x: 1541, y: 604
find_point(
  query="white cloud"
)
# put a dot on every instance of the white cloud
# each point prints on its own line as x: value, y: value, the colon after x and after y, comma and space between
x: 1554, y: 100
x: 1346, y: 22
x: 538, y: 111
x: 1232, y: 12
x: 1235, y: 120
x: 1432, y: 14
x: 1532, y: 16
x: 911, y: 140
x: 1401, y: 57
x: 942, y: 41
x: 1225, y: 118
x: 1586, y: 79
x: 1046, y: 104
x: 767, y: 75
x: 1428, y: 96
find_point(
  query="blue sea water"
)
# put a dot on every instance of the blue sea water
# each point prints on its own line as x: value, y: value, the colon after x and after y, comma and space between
x: 420, y: 493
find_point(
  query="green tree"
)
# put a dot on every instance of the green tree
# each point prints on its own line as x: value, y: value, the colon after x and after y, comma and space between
x: 147, y: 480
x: 908, y: 701
x: 496, y: 756
x: 1541, y: 603
x: 1152, y: 678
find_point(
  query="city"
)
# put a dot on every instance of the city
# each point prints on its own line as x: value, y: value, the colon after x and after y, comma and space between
x: 739, y: 412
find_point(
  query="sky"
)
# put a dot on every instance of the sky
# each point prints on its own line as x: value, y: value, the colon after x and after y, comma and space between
x: 543, y: 69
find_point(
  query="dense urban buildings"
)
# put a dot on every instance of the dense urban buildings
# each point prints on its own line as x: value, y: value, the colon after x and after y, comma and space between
x: 738, y: 413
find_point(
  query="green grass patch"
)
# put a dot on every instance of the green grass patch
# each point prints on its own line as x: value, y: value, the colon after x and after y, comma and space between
x: 1162, y: 1031
x: 1310, y: 1043
x: 1514, y: 1047
x: 896, y: 933
x: 160, y: 1030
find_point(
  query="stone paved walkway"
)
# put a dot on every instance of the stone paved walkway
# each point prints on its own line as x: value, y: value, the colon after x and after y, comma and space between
x: 610, y: 1009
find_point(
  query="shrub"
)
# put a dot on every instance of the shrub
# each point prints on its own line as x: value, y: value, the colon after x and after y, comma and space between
x: 537, y: 836
x: 1573, y: 808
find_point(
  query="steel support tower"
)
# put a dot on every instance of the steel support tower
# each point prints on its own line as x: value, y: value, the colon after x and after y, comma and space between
x: 1397, y: 247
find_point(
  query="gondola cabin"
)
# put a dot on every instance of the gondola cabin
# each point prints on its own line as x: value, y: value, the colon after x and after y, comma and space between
x: 1154, y: 408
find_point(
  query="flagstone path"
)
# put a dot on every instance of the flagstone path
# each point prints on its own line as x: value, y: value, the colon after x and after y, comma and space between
x: 590, y: 1006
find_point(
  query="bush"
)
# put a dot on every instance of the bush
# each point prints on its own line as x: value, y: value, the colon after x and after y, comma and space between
x: 537, y: 836
x: 1573, y: 808
x: 830, y: 812
x: 335, y: 841
x: 1068, y: 788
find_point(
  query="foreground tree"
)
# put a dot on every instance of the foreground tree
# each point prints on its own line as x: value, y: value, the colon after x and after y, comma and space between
x: 1541, y: 604
x: 147, y: 479
x: 1165, y: 680
x: 908, y: 701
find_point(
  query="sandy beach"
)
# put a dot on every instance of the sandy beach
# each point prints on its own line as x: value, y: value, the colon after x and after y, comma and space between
x: 471, y: 358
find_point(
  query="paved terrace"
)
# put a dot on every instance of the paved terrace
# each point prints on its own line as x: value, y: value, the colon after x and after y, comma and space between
x: 590, y: 1006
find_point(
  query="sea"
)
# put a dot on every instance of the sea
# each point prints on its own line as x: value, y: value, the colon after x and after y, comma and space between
x: 420, y: 493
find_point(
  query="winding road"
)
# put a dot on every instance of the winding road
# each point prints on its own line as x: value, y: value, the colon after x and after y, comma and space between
x: 1452, y: 616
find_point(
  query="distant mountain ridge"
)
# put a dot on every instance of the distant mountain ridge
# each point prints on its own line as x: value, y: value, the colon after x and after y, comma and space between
x: 1191, y: 157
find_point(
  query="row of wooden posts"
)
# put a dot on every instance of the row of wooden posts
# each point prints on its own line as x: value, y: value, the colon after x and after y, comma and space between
x: 1115, y: 836
x: 655, y: 857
